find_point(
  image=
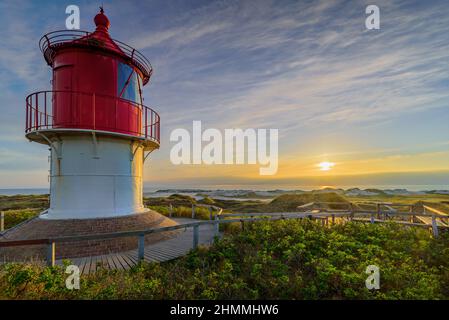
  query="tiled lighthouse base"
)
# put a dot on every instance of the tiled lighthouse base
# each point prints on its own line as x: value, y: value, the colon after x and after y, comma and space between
x: 38, y: 228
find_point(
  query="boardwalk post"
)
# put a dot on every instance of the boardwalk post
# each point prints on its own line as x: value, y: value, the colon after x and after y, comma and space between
x: 51, y: 250
x: 141, y: 248
x: 378, y: 210
x: 412, y: 218
x: 170, y: 210
x: 434, y: 227
x: 2, y: 221
x: 196, y: 231
x: 217, y: 225
x: 210, y: 213
x: 333, y: 218
x: 243, y: 224
x: 193, y: 211
x: 352, y: 210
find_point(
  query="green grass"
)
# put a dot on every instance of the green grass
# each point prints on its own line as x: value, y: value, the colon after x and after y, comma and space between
x: 23, y: 202
x: 19, y: 208
x: 269, y: 260
x: 406, y: 199
x: 183, y: 212
x: 14, y: 217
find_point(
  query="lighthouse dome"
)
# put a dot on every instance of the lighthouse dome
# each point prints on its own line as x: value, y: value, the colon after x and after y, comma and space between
x: 101, y: 20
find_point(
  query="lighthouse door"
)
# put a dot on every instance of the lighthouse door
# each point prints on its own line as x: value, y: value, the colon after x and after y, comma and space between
x: 64, y: 113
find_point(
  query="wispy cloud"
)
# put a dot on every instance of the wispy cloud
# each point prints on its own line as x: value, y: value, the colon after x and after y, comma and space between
x: 310, y: 69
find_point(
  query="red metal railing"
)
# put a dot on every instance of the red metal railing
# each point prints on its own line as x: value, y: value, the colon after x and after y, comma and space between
x: 56, y: 39
x: 82, y: 110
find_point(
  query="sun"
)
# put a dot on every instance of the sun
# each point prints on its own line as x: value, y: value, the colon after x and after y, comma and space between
x: 325, y: 165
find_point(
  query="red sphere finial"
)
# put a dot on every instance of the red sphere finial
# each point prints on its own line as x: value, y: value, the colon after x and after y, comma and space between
x: 101, y: 20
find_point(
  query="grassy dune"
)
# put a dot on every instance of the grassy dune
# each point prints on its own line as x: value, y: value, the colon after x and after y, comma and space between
x: 21, y: 207
x: 268, y: 260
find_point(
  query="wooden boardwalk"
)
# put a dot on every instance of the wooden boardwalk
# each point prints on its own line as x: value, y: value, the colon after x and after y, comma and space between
x: 161, y: 251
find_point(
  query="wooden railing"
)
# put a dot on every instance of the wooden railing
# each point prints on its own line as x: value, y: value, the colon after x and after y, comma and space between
x: 220, y: 218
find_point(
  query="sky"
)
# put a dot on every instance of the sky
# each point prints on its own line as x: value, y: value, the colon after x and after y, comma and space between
x: 374, y: 103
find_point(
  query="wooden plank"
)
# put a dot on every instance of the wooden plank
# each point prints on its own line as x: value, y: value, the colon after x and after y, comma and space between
x: 131, y: 256
x: 111, y: 261
x: 127, y: 259
x: 173, y: 248
x: 93, y: 263
x: 87, y: 265
x: 104, y: 261
x: 151, y: 255
x: 428, y: 221
x: 178, y: 243
x: 82, y: 265
x: 161, y: 258
x: 434, y: 210
x: 118, y: 264
x: 167, y: 253
x: 180, y: 251
x: 123, y: 262
x: 160, y: 253
x: 101, y: 261
x: 170, y: 254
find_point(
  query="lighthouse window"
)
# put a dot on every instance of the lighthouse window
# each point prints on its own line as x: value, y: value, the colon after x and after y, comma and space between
x: 127, y: 83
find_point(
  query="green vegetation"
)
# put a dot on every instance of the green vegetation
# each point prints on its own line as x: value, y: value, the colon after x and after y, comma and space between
x: 405, y: 199
x: 14, y: 217
x: 23, y: 202
x: 182, y: 206
x: 288, y: 259
x: 282, y: 203
x: 19, y: 208
x: 272, y: 260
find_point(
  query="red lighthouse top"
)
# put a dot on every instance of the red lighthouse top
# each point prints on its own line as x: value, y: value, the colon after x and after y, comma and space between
x: 101, y: 21
x: 101, y: 37
x: 97, y: 86
x: 98, y: 40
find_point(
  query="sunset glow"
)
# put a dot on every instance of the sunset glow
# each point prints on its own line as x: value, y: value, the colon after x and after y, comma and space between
x: 325, y: 165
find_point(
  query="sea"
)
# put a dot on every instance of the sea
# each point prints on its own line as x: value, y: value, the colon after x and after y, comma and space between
x: 167, y: 190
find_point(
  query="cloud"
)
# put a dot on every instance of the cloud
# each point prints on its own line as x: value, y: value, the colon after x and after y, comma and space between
x: 308, y: 68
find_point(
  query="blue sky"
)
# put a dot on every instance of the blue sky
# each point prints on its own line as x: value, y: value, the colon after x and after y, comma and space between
x: 375, y: 102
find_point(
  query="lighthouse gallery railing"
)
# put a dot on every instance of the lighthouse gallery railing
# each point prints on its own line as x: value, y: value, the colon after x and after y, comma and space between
x: 39, y: 108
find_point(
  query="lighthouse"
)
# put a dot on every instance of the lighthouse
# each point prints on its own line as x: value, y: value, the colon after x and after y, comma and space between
x: 95, y: 123
x: 99, y: 133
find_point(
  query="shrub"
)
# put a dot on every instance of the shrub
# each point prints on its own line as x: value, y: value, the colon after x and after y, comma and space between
x: 14, y: 217
x: 289, y: 259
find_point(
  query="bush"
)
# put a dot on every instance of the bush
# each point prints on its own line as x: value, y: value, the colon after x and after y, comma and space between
x: 288, y: 259
x: 14, y: 217
x: 184, y: 212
